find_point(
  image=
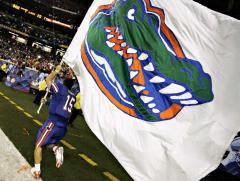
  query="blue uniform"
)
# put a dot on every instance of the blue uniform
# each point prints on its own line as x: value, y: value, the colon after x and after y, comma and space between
x: 55, y: 128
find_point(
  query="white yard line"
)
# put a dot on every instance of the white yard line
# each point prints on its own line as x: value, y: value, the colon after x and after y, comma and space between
x: 13, y: 165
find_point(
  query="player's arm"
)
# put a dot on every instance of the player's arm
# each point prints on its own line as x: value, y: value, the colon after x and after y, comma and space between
x: 50, y: 78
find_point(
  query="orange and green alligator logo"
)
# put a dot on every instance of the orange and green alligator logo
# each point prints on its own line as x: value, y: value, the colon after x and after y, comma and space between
x: 138, y: 63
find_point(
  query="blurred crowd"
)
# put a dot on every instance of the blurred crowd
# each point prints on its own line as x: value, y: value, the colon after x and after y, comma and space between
x: 25, y: 68
x: 23, y: 56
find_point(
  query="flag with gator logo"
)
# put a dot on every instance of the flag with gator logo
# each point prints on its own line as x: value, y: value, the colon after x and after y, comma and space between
x: 160, y: 84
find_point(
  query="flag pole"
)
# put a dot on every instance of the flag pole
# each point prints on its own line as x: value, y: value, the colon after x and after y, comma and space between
x: 46, y: 94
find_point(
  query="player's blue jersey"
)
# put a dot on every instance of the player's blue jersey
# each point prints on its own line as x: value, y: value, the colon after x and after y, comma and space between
x: 62, y: 101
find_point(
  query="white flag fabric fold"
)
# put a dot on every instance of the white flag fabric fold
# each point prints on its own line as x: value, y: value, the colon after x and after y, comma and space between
x: 160, y: 84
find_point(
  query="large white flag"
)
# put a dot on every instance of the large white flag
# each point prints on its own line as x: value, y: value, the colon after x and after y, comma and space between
x: 160, y: 84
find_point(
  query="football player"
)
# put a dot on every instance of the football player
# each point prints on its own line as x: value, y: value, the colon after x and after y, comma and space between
x: 55, y: 127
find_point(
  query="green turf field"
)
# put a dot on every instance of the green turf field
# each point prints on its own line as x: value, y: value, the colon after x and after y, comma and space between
x: 16, y: 125
x: 20, y: 122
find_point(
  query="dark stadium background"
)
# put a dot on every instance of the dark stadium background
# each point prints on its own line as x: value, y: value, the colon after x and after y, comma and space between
x: 30, y: 22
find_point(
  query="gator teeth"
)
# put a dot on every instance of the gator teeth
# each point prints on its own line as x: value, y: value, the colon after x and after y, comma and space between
x: 149, y: 67
x: 138, y: 88
x: 186, y: 95
x: 189, y: 102
x: 172, y: 89
x: 157, y: 79
x: 123, y: 44
x: 143, y: 56
x: 146, y: 99
x: 120, y: 52
x: 131, y: 50
x: 155, y: 110
x: 110, y: 36
x: 151, y: 105
x: 133, y: 74
x: 110, y: 44
x: 120, y: 37
x: 129, y: 61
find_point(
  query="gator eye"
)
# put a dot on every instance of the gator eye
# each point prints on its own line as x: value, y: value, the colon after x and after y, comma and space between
x: 130, y: 14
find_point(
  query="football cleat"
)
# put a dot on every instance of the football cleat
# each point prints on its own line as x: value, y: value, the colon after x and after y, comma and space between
x: 35, y: 174
x: 59, y: 156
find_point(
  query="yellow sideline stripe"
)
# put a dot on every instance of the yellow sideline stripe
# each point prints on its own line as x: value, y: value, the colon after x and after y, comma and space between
x: 6, y: 97
x: 68, y: 145
x: 110, y: 176
x: 28, y: 115
x: 75, y: 135
x: 19, y: 108
x: 87, y: 159
x: 12, y: 102
x: 37, y: 122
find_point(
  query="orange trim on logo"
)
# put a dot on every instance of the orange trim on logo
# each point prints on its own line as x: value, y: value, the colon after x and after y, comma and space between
x: 174, y: 108
x: 170, y: 112
x: 103, y: 7
x: 136, y: 65
x: 145, y: 92
x: 167, y: 32
x: 102, y: 87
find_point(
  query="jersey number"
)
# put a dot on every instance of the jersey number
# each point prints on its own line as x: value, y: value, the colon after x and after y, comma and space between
x: 69, y: 104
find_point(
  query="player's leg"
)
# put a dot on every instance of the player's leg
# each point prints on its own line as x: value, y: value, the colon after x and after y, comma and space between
x: 44, y: 136
x: 53, y: 147
x: 59, y: 155
x: 58, y: 150
x: 38, y: 155
x: 36, y: 170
